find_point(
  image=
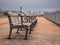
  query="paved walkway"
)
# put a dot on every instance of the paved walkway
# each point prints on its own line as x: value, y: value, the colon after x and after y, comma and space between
x: 45, y: 33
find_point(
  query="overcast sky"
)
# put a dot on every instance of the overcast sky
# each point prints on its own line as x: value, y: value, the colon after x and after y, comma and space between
x: 29, y: 4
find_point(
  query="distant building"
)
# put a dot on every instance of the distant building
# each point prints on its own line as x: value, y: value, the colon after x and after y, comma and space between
x: 20, y: 9
x: 0, y: 10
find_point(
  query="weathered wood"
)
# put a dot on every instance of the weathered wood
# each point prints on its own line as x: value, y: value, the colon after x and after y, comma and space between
x: 15, y: 21
x: 20, y: 21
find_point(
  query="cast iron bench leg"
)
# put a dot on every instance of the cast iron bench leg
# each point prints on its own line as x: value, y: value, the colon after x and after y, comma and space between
x: 10, y: 33
x: 21, y: 28
x: 30, y: 29
x: 26, y: 33
x: 17, y: 31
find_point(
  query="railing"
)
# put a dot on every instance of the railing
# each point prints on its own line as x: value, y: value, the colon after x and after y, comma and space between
x: 54, y: 16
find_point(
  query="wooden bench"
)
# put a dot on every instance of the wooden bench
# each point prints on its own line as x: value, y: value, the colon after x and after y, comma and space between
x: 32, y: 19
x: 26, y: 22
x: 16, y: 21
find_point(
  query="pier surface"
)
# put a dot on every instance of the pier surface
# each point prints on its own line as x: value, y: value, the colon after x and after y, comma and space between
x: 44, y: 33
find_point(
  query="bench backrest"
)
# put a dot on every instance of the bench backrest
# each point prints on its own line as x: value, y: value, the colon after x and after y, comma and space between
x: 13, y: 19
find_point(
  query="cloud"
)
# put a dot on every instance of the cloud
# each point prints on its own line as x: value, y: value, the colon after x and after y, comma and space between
x: 30, y: 2
x: 41, y: 2
x: 27, y: 4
